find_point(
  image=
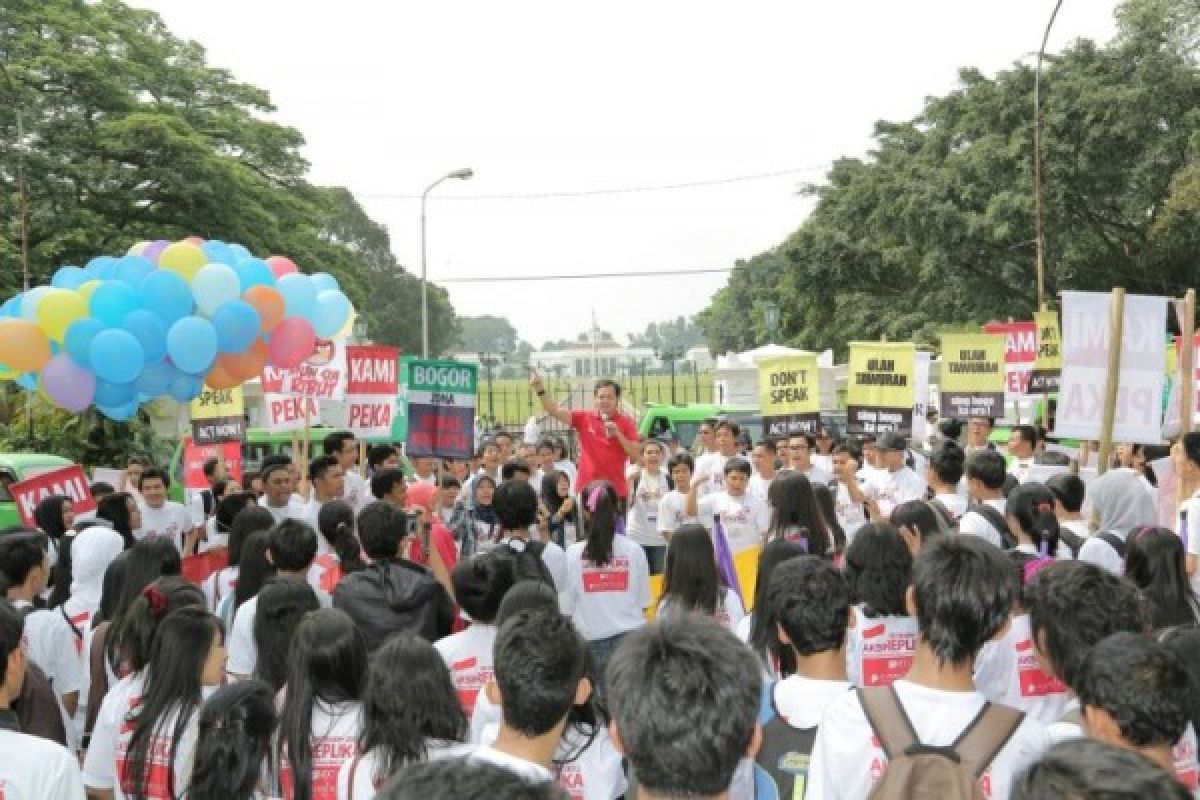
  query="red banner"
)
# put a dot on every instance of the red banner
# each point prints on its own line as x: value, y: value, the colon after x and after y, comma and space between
x: 195, y: 455
x: 196, y: 569
x: 1020, y: 352
x: 69, y: 481
x: 373, y: 370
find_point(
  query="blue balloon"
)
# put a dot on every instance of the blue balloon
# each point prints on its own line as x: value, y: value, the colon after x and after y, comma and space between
x: 30, y: 300
x: 150, y: 331
x: 113, y: 394
x: 192, y: 345
x: 332, y: 311
x: 69, y: 278
x: 323, y: 281
x: 167, y: 295
x: 120, y: 413
x: 28, y: 381
x: 102, y: 267
x: 219, y: 252
x: 133, y: 270
x: 185, y: 388
x: 240, y: 252
x: 116, y: 356
x: 299, y: 295
x: 11, y: 307
x: 156, y: 378
x: 237, y: 323
x: 78, y: 340
x: 253, y: 272
x: 112, y: 301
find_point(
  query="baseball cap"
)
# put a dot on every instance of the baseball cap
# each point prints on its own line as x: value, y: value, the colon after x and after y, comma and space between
x: 891, y: 441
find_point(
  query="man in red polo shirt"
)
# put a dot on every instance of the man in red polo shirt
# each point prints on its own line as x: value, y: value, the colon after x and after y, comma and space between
x: 607, y: 438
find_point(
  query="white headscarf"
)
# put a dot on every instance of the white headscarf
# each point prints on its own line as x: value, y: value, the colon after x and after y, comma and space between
x: 91, y: 552
x: 1120, y: 498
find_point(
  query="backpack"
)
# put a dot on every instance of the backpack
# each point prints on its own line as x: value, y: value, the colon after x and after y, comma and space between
x: 1072, y: 540
x: 1113, y: 541
x: 997, y: 521
x: 916, y: 770
x: 781, y: 766
x: 949, y: 523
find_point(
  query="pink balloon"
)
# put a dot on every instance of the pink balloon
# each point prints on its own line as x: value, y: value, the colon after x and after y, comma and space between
x: 68, y: 384
x: 292, y: 341
x: 281, y: 265
x: 196, y: 240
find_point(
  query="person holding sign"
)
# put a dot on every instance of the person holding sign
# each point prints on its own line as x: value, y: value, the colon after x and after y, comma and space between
x: 895, y: 483
x: 607, y: 437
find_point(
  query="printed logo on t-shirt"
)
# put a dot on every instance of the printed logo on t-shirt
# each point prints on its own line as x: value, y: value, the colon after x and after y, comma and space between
x: 1187, y: 771
x: 1035, y: 682
x: 469, y: 678
x: 159, y: 760
x: 570, y: 780
x: 328, y: 754
x: 886, y: 656
x: 612, y: 577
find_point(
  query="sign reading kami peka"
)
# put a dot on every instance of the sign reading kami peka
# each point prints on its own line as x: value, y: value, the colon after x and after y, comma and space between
x: 371, y: 389
x: 880, y: 390
x: 70, y: 481
x: 973, y: 375
x: 789, y: 394
x: 441, y: 409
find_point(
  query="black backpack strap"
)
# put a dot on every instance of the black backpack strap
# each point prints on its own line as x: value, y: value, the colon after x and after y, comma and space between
x: 1113, y: 541
x: 1072, y: 539
x: 986, y: 736
x: 939, y: 508
x: 997, y: 521
x: 888, y: 720
x: 78, y: 633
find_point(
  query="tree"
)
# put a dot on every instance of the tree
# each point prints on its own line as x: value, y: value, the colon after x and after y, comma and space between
x: 678, y: 335
x: 488, y: 334
x: 935, y: 227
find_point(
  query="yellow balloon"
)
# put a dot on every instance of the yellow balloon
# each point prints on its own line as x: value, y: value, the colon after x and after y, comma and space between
x: 183, y: 258
x: 57, y: 310
x: 348, y: 328
x: 85, y: 291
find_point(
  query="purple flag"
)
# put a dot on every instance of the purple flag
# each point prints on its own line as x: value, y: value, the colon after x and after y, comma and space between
x: 725, y: 560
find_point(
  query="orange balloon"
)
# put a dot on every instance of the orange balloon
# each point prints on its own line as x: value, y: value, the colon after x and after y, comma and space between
x: 219, y: 378
x: 196, y: 240
x: 269, y: 304
x: 248, y: 365
x: 23, y: 345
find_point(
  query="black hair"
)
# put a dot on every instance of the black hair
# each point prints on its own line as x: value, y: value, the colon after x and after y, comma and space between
x: 691, y: 581
x: 1141, y: 685
x: 1191, y: 446
x: 1032, y: 505
x: 964, y: 595
x: 248, y: 479
x: 282, y: 603
x: 1028, y: 434
x: 379, y: 453
x: 988, y: 467
x: 254, y: 568
x: 849, y: 448
x: 480, y: 584
x: 539, y: 660
x: 764, y: 635
x: 132, y: 636
x: 811, y: 602
x: 383, y: 481
x: 115, y: 509
x: 1072, y: 606
x: 150, y: 473
x: 408, y: 700
x: 738, y: 465
x: 21, y: 551
x: 509, y: 471
x: 227, y: 511
x: 1088, y: 769
x: 950, y: 427
x: 601, y: 522
x: 1184, y: 642
x: 270, y: 469
x: 503, y: 433
x: 381, y: 529
x: 12, y: 631
x: 293, y: 545
x: 250, y: 520
x: 948, y: 462
x: 327, y: 663
x: 827, y: 506
x: 320, y: 465
x: 233, y: 741
x: 48, y: 515
x: 64, y: 570
x: 1069, y: 490
x: 334, y: 442
x: 879, y: 569
x: 99, y: 489
x: 172, y: 685
x: 769, y: 443
x: 549, y: 492
x: 527, y: 595
x: 110, y: 589
x: 148, y: 561
x: 794, y: 513
x: 685, y: 696
x: 600, y: 384
x: 680, y: 458
x: 448, y: 481
x: 730, y: 425
x: 336, y: 523
x: 919, y: 515
x: 464, y: 779
x: 209, y: 468
x: 515, y: 504
x: 1156, y: 564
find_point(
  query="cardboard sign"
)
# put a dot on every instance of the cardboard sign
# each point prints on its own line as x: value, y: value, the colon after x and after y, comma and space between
x: 291, y: 396
x: 218, y: 415
x: 70, y: 481
x: 789, y: 393
x: 880, y: 388
x: 1020, y: 353
x: 194, y: 456
x: 972, y: 380
x: 1047, y: 366
x: 371, y: 388
x: 441, y: 409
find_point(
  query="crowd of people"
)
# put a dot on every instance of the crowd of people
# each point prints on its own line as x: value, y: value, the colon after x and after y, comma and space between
x: 924, y: 622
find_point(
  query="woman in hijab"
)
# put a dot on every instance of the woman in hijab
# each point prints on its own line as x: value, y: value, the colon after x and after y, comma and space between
x: 474, y: 522
x: 1120, y: 499
x: 91, y: 553
x: 54, y: 516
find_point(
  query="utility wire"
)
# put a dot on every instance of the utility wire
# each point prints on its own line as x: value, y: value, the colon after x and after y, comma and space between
x: 588, y: 276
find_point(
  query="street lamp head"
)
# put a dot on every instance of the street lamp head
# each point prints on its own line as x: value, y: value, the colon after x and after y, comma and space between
x: 462, y: 174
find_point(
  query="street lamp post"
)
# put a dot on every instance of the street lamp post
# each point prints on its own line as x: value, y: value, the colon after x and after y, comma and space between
x: 771, y: 317
x: 488, y: 360
x: 459, y: 174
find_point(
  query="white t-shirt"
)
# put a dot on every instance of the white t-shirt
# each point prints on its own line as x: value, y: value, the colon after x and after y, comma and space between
x: 100, y: 765
x: 242, y: 649
x: 468, y: 656
x: 850, y: 514
x: 355, y: 490
x: 818, y: 476
x: 976, y: 524
x: 1007, y: 671
x: 295, y: 509
x: 555, y: 560
x: 1187, y: 770
x: 311, y: 511
x: 955, y: 503
x: 846, y: 763
x: 50, y: 643
x: 711, y: 467
x: 534, y: 773
x: 218, y: 586
x: 879, y: 650
x: 801, y: 701
x: 744, y: 519
x: 1188, y: 529
x: 172, y: 521
x: 730, y: 612
x: 1099, y: 552
x: 890, y: 489
x: 335, y: 730
x: 609, y: 600
x: 365, y: 784
x: 642, y: 521
x: 760, y: 486
x: 32, y: 768
x: 593, y: 774
x: 162, y: 762
x: 672, y: 514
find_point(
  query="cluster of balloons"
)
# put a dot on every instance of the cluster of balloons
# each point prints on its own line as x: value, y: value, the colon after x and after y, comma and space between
x: 165, y: 319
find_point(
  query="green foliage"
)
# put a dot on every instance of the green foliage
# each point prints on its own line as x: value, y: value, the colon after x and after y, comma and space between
x: 488, y: 334
x: 935, y: 228
x: 674, y: 335
x: 88, y: 438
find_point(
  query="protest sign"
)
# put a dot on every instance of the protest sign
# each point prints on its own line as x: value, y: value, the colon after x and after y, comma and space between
x: 1086, y: 331
x: 880, y: 391
x: 70, y: 481
x: 291, y: 397
x: 194, y: 456
x: 1047, y: 364
x: 441, y: 409
x: 218, y: 415
x: 1020, y: 353
x: 973, y: 375
x: 789, y: 393
x: 371, y: 389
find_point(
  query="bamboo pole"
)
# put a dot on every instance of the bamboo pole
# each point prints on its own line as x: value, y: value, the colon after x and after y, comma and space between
x: 1187, y: 369
x: 1116, y: 333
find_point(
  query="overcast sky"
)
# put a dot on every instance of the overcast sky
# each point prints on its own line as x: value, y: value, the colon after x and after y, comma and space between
x: 563, y: 97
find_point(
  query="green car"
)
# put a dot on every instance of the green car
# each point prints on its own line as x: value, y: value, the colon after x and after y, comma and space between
x: 16, y: 467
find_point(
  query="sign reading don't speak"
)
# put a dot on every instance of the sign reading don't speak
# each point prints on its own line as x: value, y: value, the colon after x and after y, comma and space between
x: 789, y: 393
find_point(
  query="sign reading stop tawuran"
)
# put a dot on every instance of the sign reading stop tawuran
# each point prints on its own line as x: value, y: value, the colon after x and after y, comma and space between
x: 441, y: 409
x: 973, y: 375
x: 880, y: 387
x: 789, y: 394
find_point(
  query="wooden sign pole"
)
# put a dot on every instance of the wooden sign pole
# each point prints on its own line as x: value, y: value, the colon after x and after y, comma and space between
x: 1116, y: 333
x: 1187, y: 370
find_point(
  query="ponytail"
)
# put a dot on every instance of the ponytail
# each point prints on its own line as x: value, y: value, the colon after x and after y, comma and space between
x: 336, y: 523
x: 1032, y: 505
x: 601, y: 502
x: 135, y: 631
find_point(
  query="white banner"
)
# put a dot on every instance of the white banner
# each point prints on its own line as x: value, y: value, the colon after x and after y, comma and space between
x: 920, y: 426
x: 1085, y: 348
